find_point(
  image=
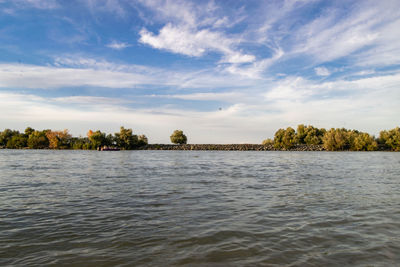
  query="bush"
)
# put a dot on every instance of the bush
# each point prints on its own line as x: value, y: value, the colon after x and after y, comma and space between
x: 143, y: 140
x: 343, y: 139
x: 37, y: 140
x: 309, y: 135
x: 390, y: 139
x: 17, y: 141
x: 268, y: 142
x: 97, y: 139
x: 336, y: 139
x: 178, y: 137
x: 59, y: 139
x: 363, y: 142
x: 6, y: 135
x: 125, y: 139
x: 285, y: 138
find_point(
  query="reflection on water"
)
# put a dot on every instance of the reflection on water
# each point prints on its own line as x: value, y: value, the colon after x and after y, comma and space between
x: 199, y: 208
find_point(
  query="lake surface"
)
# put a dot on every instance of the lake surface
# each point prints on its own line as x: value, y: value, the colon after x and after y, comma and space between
x: 199, y: 208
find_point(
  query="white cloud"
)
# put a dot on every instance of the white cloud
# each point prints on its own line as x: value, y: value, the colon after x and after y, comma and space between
x: 255, y: 70
x: 117, y: 45
x: 195, y: 30
x: 227, y: 97
x: 30, y: 76
x: 76, y: 71
x: 368, y: 104
x: 322, y: 71
x: 186, y: 41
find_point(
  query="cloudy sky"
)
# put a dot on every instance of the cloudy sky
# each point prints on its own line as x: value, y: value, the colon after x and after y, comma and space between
x: 222, y: 71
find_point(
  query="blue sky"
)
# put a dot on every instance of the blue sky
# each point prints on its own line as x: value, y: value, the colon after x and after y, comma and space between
x: 222, y: 71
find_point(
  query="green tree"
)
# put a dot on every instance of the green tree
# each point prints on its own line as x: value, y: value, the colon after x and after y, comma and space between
x: 17, y: 141
x: 125, y: 139
x: 37, y: 140
x: 143, y: 140
x: 97, y: 139
x: 285, y: 138
x: 336, y: 139
x: 309, y: 135
x: 363, y: 142
x: 29, y: 131
x: 268, y: 142
x: 177, y: 137
x: 110, y: 140
x: 390, y: 139
x: 6, y: 135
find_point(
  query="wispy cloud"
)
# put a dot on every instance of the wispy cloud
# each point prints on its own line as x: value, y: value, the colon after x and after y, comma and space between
x: 118, y: 45
x: 322, y: 71
x: 76, y: 71
x: 186, y: 41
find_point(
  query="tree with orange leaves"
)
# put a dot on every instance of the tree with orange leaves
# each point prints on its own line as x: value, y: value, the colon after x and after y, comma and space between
x: 59, y: 139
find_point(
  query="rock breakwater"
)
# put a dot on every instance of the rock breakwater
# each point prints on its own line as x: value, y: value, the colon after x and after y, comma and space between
x: 229, y: 147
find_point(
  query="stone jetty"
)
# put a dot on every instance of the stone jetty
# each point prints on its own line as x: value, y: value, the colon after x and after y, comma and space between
x: 229, y: 147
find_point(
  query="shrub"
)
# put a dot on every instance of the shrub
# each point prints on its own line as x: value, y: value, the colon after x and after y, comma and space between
x: 336, y: 139
x: 309, y: 135
x: 6, y: 135
x: 59, y: 139
x: 37, y: 140
x: 17, y: 141
x: 97, y: 139
x: 363, y: 142
x: 178, y: 137
x: 390, y: 139
x: 125, y: 139
x: 268, y: 142
x: 143, y: 140
x: 285, y: 138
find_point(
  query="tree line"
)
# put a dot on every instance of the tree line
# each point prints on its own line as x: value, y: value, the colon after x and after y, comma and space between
x: 335, y: 139
x: 49, y: 139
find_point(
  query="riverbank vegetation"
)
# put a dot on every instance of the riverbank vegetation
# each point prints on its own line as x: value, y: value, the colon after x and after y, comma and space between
x: 48, y: 139
x: 304, y: 138
x: 178, y: 137
x: 335, y: 139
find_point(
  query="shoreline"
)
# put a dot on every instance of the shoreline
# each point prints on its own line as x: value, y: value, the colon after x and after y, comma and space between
x: 217, y: 147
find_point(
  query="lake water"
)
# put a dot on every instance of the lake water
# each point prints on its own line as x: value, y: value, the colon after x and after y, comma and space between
x: 199, y: 208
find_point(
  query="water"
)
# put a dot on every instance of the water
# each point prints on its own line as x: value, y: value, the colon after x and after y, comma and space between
x: 163, y: 208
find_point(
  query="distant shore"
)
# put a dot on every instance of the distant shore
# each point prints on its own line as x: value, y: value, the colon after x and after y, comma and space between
x: 222, y: 147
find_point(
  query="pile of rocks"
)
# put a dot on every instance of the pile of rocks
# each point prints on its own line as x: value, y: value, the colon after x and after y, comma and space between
x: 230, y: 147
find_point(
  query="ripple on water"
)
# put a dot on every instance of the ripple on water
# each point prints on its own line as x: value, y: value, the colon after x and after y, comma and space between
x: 197, y: 208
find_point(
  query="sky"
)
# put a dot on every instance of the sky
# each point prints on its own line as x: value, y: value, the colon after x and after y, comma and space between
x: 224, y: 71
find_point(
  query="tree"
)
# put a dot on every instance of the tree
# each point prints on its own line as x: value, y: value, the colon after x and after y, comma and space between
x: 364, y: 142
x: 268, y: 142
x: 178, y: 137
x: 390, y: 139
x: 29, y: 131
x: 97, y: 139
x: 309, y: 135
x: 17, y: 141
x: 38, y: 140
x: 125, y: 139
x: 285, y: 138
x: 59, y: 139
x: 6, y: 135
x: 336, y: 139
x: 143, y: 140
